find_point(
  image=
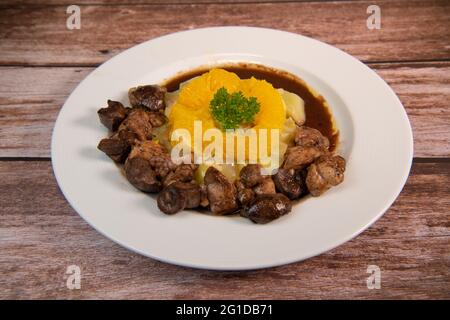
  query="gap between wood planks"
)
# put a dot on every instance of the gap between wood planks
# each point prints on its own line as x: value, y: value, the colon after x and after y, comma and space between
x: 403, y: 63
x: 39, y: 36
x: 50, y: 3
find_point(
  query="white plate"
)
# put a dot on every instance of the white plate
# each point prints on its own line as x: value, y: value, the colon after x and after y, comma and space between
x: 376, y: 141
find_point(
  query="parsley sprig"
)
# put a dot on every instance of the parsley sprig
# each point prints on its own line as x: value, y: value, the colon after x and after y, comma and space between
x: 232, y: 110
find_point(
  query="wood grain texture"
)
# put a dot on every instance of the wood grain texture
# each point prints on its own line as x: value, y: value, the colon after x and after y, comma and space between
x: 424, y: 90
x: 40, y: 235
x: 29, y: 106
x: 141, y: 2
x: 30, y: 99
x: 411, y: 30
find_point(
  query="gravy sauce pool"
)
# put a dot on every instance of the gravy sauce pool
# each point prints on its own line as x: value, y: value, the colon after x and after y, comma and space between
x: 318, y: 115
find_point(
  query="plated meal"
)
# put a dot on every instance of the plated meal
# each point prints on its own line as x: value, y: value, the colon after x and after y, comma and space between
x: 202, y: 139
x: 156, y: 141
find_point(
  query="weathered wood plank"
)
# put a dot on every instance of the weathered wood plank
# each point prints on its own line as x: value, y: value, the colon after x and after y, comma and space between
x: 411, y: 30
x: 425, y: 92
x: 40, y: 235
x: 29, y: 105
x: 141, y: 2
x: 30, y: 99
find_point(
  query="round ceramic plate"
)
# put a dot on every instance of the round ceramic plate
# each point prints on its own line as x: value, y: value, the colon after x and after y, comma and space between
x: 375, y: 139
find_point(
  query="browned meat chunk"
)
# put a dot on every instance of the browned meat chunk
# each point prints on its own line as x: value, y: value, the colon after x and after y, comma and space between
x: 113, y: 115
x: 183, y: 173
x: 310, y: 144
x: 325, y: 172
x: 204, y: 202
x: 290, y: 183
x: 251, y: 175
x: 299, y: 157
x: 127, y: 136
x: 151, y: 97
x: 138, y: 124
x: 115, y: 148
x: 310, y: 137
x: 244, y: 195
x: 140, y: 174
x: 179, y: 196
x: 222, y: 194
x: 192, y: 191
x: 268, y: 207
x: 156, y: 155
x: 266, y: 186
x: 157, y: 119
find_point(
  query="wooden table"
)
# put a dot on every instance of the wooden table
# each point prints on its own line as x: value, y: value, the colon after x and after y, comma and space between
x: 41, y: 62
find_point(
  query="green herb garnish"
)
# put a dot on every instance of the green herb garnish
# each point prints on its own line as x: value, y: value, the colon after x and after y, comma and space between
x: 232, y: 110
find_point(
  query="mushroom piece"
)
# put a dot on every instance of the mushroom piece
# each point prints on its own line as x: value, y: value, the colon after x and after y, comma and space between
x: 150, y: 97
x: 325, y: 172
x: 112, y: 115
x: 179, y: 196
x: 222, y: 193
x: 268, y: 207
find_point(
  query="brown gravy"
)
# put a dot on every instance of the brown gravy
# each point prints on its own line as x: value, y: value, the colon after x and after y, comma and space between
x: 318, y: 115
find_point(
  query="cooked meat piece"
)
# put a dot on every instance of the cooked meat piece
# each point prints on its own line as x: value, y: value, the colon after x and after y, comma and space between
x: 251, y: 175
x: 127, y: 136
x: 244, y: 195
x: 157, y: 119
x: 204, y: 202
x: 141, y: 175
x: 222, y: 194
x: 113, y: 115
x: 310, y: 137
x: 266, y: 186
x: 192, y: 191
x: 300, y: 157
x: 289, y: 182
x: 268, y: 207
x: 115, y: 148
x: 325, y: 172
x: 137, y: 123
x: 179, y: 196
x: 151, y: 97
x: 252, y: 178
x: 157, y: 156
x: 183, y: 173
x: 162, y: 165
